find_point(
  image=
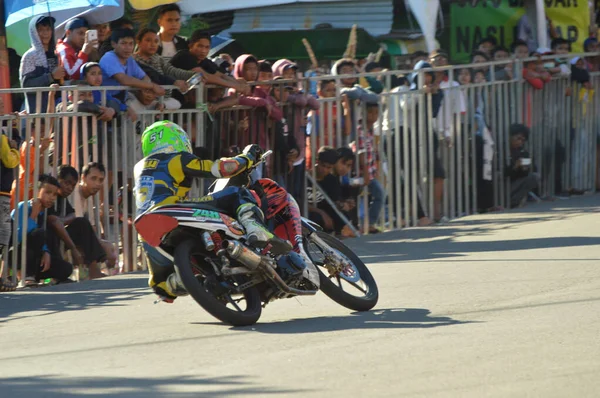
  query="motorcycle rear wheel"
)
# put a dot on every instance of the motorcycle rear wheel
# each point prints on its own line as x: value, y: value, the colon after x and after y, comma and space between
x: 197, y: 286
x: 365, y: 283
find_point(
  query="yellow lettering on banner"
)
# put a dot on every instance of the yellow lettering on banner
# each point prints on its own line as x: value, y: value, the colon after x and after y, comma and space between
x: 571, y: 18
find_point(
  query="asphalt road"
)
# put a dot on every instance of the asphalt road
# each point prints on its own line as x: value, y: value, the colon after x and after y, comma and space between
x: 503, y: 305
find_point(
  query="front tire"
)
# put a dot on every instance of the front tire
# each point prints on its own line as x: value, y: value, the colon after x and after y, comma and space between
x: 197, y: 288
x: 368, y: 288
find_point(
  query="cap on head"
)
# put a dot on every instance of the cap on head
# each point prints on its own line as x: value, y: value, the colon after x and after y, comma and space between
x: 76, y: 23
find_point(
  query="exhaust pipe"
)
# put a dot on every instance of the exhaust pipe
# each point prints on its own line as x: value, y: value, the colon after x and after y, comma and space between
x: 241, y: 253
x: 253, y: 261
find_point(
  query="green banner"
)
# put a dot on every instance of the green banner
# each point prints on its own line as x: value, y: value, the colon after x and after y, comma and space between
x: 473, y: 20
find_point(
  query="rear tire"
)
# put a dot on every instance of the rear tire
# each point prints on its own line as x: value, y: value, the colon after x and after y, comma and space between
x: 337, y: 294
x: 206, y: 299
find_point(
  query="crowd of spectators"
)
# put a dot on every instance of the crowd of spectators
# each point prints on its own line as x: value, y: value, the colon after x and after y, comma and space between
x: 275, y: 113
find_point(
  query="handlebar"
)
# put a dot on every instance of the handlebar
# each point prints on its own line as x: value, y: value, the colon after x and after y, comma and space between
x: 262, y: 159
x: 266, y: 155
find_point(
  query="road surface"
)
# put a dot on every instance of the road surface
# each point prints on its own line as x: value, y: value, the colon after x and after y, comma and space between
x: 502, y: 305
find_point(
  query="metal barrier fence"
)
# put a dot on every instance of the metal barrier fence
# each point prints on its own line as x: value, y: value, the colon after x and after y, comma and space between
x: 448, y: 166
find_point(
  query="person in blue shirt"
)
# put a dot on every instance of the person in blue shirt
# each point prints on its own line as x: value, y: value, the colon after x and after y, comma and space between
x: 119, y: 68
x: 43, y: 257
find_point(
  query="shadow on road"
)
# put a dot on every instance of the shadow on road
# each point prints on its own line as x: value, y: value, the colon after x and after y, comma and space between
x: 72, y: 297
x: 55, y: 386
x: 392, y: 318
x: 445, y: 245
x: 442, y: 241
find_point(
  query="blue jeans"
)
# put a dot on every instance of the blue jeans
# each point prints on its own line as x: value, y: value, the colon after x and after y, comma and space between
x: 377, y: 194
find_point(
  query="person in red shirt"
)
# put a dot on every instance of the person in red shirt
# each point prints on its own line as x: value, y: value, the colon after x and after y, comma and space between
x: 74, y: 48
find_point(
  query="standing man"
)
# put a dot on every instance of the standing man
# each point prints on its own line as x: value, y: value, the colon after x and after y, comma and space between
x: 92, y: 179
x: 74, y: 49
x: 169, y: 20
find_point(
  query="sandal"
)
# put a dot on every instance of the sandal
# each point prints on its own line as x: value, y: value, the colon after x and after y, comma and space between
x: 30, y: 281
x: 7, y: 286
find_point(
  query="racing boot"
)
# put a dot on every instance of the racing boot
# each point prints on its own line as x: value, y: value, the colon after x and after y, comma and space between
x: 170, y: 289
x: 252, y: 219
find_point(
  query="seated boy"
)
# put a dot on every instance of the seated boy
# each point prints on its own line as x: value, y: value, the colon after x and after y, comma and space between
x: 319, y: 209
x: 366, y: 149
x: 520, y: 165
x: 43, y: 257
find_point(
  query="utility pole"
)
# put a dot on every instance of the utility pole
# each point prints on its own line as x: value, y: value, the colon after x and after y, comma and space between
x: 5, y: 100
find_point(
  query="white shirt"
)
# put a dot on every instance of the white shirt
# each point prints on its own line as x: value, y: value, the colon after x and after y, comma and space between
x: 168, y: 49
x: 454, y: 102
x: 81, y: 204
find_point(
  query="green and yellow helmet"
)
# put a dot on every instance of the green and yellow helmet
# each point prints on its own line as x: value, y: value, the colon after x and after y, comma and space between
x: 165, y: 137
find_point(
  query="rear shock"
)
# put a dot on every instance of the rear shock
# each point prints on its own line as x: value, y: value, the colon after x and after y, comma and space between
x: 217, y: 240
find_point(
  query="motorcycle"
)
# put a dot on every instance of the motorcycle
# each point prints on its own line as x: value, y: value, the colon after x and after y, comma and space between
x: 232, y: 280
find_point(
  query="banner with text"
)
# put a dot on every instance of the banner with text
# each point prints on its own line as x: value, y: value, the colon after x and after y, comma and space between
x: 473, y: 20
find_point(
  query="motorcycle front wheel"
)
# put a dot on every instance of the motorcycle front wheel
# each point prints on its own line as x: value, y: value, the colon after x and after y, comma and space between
x: 353, y: 287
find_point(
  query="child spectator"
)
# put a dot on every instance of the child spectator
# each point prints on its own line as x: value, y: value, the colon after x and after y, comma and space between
x: 159, y: 70
x: 519, y: 49
x: 9, y: 160
x: 535, y: 74
x: 519, y: 166
x: 27, y: 151
x: 479, y: 77
x: 120, y: 69
x: 286, y: 146
x: 373, y: 83
x: 430, y: 87
x: 74, y: 48
x: 39, y: 65
x: 487, y: 45
x: 349, y: 86
x: 562, y: 46
x: 479, y: 57
x: 454, y: 101
x: 246, y: 70
x: 195, y: 58
x: 330, y: 136
x: 106, y: 44
x: 366, y: 149
x: 319, y: 209
x: 354, y: 91
x: 91, y: 74
x: 502, y: 71
x: 296, y: 113
x: 465, y: 76
x: 590, y: 45
x: 103, y: 30
x: 265, y: 74
x: 169, y: 21
x: 343, y: 195
x: 43, y: 257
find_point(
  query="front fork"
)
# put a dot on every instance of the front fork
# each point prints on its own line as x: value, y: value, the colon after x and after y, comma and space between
x: 332, y: 260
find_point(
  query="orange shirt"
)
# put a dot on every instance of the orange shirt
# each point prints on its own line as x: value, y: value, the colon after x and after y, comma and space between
x: 21, y: 180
